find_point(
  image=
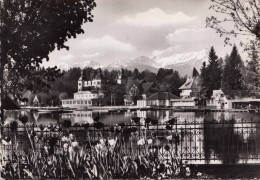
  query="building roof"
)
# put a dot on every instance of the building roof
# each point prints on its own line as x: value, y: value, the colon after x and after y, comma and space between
x: 187, y: 84
x: 195, y: 73
x: 141, y: 81
x: 162, y: 96
x: 183, y: 100
x: 147, y: 86
x: 35, y: 99
x: 191, y: 82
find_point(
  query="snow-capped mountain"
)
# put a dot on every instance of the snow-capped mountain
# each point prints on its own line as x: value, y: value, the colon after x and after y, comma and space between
x: 92, y: 64
x: 178, y: 58
x: 184, y: 62
x: 141, y: 63
x: 181, y: 62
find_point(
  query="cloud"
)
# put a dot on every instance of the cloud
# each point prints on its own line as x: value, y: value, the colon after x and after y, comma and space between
x: 187, y: 40
x: 106, y: 43
x: 189, y: 35
x: 89, y: 56
x: 99, y: 50
x: 66, y: 57
x: 156, y: 17
x: 164, y: 51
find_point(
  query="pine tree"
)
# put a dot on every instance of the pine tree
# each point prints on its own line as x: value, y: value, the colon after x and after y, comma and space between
x: 232, y: 74
x: 211, y: 75
x: 214, y: 73
x: 203, y: 79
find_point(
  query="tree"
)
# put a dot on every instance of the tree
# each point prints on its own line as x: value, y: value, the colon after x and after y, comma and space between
x: 232, y: 75
x: 210, y: 78
x: 213, y: 73
x: 63, y: 95
x: 244, y: 17
x: 30, y: 30
x: 136, y: 74
x: 203, y: 79
x: 251, y: 78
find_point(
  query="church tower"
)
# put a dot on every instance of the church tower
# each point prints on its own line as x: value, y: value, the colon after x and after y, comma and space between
x: 80, y: 82
x: 119, y: 77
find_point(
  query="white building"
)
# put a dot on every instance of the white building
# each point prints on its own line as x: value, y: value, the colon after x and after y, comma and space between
x: 157, y: 99
x: 141, y: 103
x: 89, y: 93
x: 83, y: 83
x: 189, y: 92
x: 234, y: 99
x: 219, y: 100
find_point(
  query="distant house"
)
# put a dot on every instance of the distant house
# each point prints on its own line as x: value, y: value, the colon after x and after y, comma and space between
x: 128, y: 100
x: 157, y: 99
x: 220, y: 100
x: 140, y: 90
x: 190, y: 88
x: 234, y: 99
x: 84, y: 83
x: 36, y: 101
x: 89, y: 93
x: 189, y: 92
x: 149, y: 88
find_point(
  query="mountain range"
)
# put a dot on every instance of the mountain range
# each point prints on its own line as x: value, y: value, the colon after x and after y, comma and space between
x: 181, y: 62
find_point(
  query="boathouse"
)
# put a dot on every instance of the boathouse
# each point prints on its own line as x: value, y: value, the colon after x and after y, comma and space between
x: 161, y: 99
x: 234, y: 99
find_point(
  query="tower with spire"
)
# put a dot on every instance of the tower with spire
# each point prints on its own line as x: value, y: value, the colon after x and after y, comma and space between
x: 119, y: 77
x: 81, y: 81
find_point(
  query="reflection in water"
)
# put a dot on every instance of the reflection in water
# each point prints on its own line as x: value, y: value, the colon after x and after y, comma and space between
x: 215, y: 137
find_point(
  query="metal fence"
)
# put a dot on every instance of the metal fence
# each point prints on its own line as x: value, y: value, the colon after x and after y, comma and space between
x: 207, y: 141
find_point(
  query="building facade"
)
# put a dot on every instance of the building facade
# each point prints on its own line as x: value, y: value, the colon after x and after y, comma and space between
x: 234, y: 99
x: 189, y: 92
x: 159, y: 99
x: 84, y: 83
x: 89, y: 93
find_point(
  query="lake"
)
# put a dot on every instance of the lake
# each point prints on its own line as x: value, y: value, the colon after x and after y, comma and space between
x: 122, y: 117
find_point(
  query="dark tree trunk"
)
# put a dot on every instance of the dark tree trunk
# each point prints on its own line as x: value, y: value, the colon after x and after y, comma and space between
x: 3, y: 56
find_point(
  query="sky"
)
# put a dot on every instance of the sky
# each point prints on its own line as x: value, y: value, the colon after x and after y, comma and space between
x: 127, y: 29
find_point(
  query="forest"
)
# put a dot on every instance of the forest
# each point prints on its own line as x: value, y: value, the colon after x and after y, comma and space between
x: 65, y: 85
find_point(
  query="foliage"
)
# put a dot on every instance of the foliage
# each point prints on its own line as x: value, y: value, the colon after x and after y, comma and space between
x: 251, y: 73
x: 211, y: 74
x: 30, y: 30
x: 232, y: 74
x: 243, y: 16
